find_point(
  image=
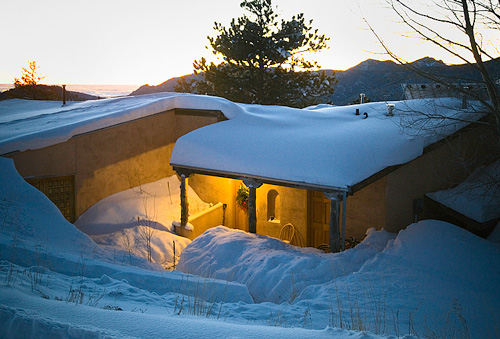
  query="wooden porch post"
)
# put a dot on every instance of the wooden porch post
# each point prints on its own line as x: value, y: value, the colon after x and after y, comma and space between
x: 252, y: 196
x: 334, y: 240
x: 344, y: 212
x: 184, y: 201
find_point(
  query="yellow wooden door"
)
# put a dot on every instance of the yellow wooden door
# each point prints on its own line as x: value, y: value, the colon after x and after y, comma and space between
x: 319, y: 219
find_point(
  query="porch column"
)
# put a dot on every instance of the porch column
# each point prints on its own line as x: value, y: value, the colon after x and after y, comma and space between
x: 184, y: 200
x: 252, y: 211
x: 344, y: 212
x: 334, y: 241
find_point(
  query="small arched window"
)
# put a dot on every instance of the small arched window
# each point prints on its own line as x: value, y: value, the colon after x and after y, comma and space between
x: 273, y: 206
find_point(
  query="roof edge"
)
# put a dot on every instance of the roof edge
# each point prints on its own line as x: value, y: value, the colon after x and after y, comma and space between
x: 188, y: 170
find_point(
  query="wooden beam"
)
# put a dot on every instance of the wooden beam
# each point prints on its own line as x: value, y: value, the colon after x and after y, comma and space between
x: 334, y: 237
x: 270, y: 181
x: 252, y: 210
x: 252, y: 197
x: 184, y: 201
x: 344, y: 212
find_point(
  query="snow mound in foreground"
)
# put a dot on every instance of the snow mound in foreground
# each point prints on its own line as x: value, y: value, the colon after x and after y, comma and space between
x: 129, y: 220
x: 30, y: 219
x: 434, y: 275
x: 34, y: 233
x: 273, y: 270
x: 33, y: 227
x: 165, y: 247
x: 157, y: 203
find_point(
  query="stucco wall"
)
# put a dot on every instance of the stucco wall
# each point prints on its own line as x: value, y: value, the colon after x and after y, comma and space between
x: 440, y: 168
x: 365, y: 209
x: 114, y: 159
x: 292, y: 205
x: 292, y: 209
x: 214, y: 190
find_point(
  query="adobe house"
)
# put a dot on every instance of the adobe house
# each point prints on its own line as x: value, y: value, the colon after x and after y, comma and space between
x: 80, y: 153
x: 83, y: 152
x: 306, y: 168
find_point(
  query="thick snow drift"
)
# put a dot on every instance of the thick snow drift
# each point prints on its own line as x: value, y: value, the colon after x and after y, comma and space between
x: 33, y: 232
x: 432, y: 280
x: 268, y: 141
x: 327, y: 146
x: 157, y: 202
x: 140, y: 219
x: 273, y: 270
x: 431, y: 273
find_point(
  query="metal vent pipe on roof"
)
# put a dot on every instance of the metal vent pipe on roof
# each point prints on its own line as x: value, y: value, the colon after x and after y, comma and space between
x: 390, y: 110
x: 362, y: 98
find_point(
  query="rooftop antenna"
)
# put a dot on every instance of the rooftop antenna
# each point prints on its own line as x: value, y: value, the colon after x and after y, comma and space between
x: 362, y: 98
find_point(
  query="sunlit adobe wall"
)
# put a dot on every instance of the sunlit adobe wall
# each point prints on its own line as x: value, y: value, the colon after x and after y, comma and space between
x: 214, y: 190
x: 128, y: 155
x: 53, y: 160
x: 122, y: 157
x: 278, y: 206
x: 114, y: 159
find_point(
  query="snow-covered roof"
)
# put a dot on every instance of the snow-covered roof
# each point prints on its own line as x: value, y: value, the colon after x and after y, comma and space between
x: 321, y: 146
x: 477, y: 198
x: 33, y: 124
x: 325, y: 146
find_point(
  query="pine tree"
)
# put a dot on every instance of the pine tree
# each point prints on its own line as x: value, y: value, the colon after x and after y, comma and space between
x: 29, y: 80
x: 262, y: 60
x: 30, y: 77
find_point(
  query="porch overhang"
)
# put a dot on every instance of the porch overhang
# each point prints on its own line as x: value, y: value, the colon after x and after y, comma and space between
x: 334, y: 194
x: 265, y: 180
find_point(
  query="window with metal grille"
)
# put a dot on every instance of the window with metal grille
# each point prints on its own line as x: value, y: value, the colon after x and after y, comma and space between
x: 60, y: 190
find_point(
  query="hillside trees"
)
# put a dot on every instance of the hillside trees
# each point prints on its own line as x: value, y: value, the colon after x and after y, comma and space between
x: 263, y: 60
x: 469, y: 31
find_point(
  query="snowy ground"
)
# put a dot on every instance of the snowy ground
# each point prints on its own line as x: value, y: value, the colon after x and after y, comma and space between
x: 138, y: 221
x: 431, y: 280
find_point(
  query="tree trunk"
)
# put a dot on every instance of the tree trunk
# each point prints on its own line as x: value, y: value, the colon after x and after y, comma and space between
x: 184, y: 201
x: 489, y: 83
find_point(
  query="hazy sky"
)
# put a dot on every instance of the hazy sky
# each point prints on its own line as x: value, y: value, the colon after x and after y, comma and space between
x: 150, y: 41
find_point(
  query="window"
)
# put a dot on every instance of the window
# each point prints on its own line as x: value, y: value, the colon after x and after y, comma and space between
x: 61, y: 191
x: 273, y: 206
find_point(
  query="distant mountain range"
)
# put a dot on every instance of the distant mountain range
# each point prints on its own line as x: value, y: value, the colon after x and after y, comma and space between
x: 382, y: 80
x: 379, y: 80
x: 167, y: 86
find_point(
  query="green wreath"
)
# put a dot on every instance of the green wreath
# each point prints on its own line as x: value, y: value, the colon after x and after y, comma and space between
x: 242, y: 197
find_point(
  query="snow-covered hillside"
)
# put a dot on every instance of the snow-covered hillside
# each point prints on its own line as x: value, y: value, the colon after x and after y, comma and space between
x: 431, y: 280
